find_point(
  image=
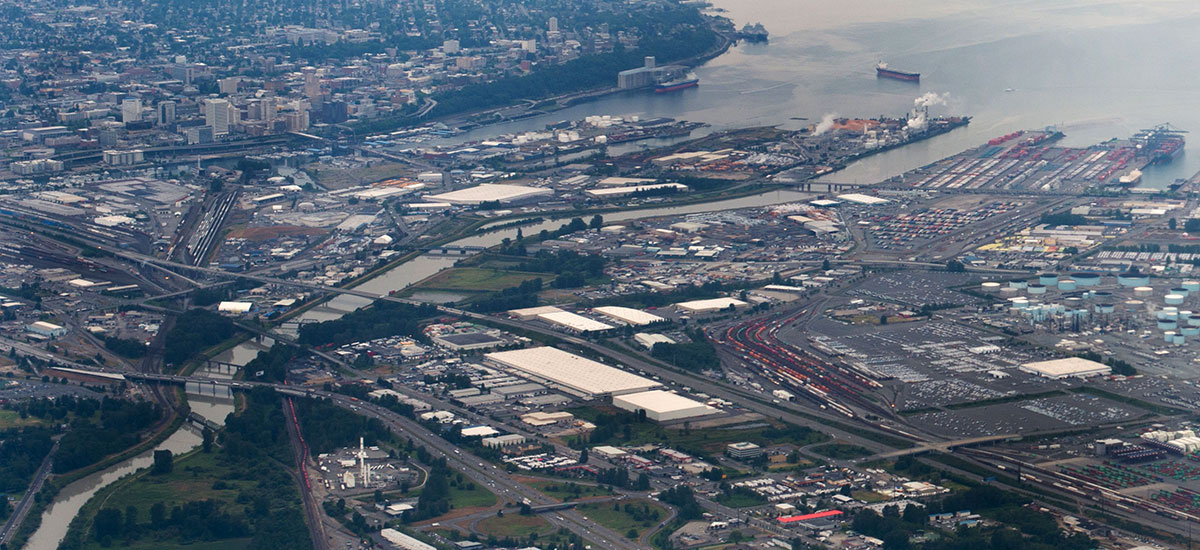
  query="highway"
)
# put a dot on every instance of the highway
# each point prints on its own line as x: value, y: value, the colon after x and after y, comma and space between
x: 487, y: 475
x: 480, y: 471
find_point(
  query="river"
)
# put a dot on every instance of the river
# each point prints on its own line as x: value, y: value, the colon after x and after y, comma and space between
x: 210, y: 404
x: 1096, y: 69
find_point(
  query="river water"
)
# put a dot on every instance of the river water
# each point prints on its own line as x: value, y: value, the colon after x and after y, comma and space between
x: 211, y: 404
x: 1096, y: 69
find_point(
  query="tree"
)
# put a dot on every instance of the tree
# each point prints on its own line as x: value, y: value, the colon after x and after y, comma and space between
x: 583, y: 456
x: 1171, y: 223
x: 596, y: 222
x: 131, y: 516
x: 107, y: 524
x: 163, y: 462
x: 158, y: 515
x: 207, y: 444
x: 825, y: 264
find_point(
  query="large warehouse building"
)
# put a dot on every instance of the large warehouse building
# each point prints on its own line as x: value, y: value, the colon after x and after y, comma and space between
x: 573, y: 322
x: 1062, y: 368
x: 662, y: 406
x: 628, y: 315
x: 570, y: 373
x: 709, y: 306
x: 490, y: 192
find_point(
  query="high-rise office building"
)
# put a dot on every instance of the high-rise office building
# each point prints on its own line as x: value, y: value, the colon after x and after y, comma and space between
x: 217, y: 115
x: 166, y: 113
x: 131, y: 110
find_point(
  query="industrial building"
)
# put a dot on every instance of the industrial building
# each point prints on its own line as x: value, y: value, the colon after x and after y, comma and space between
x: 709, y: 306
x: 235, y: 307
x: 573, y: 322
x: 663, y: 406
x: 628, y: 315
x: 1057, y: 369
x: 402, y: 541
x: 531, y: 313
x: 500, y: 442
x: 859, y: 198
x: 570, y: 373
x: 648, y: 339
x: 49, y: 330
x: 648, y: 74
x: 490, y: 192
x: 539, y: 419
x: 467, y: 341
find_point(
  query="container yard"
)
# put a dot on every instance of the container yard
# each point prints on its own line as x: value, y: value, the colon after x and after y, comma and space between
x: 1029, y: 161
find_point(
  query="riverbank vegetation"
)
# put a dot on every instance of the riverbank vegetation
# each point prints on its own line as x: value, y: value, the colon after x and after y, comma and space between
x: 235, y: 495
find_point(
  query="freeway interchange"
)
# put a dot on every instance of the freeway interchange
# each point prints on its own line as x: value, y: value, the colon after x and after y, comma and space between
x: 831, y: 395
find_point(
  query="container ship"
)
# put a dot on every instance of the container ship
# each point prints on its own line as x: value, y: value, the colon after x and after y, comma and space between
x: 882, y: 71
x: 1160, y: 144
x: 676, y: 85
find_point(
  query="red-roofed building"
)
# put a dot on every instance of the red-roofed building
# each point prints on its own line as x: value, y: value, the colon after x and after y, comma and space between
x: 826, y: 515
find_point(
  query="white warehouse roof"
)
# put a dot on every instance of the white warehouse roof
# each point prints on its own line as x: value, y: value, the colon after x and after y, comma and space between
x: 1062, y: 368
x: 573, y: 321
x: 235, y: 307
x: 662, y: 405
x: 570, y: 372
x: 628, y: 315
x: 528, y: 313
x: 648, y: 339
x: 714, y: 304
x: 402, y: 541
x: 862, y: 199
x: 488, y: 192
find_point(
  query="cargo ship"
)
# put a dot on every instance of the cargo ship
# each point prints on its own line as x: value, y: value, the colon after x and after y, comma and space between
x: 676, y: 85
x: 1160, y: 144
x: 882, y: 71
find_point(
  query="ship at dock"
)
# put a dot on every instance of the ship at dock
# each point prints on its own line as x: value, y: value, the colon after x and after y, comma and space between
x: 1160, y: 144
x: 882, y: 71
x: 676, y: 85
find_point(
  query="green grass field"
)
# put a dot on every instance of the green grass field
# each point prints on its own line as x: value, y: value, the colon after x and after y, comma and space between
x: 192, y: 478
x: 474, y: 279
x: 742, y: 500
x: 621, y: 521
x: 698, y: 441
x: 479, y: 497
x: 514, y: 525
x: 841, y: 451
x: 12, y: 419
x: 567, y: 490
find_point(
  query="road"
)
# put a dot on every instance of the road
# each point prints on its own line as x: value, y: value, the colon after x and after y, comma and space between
x: 478, y: 470
x: 485, y: 474
x: 23, y: 506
